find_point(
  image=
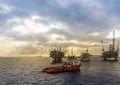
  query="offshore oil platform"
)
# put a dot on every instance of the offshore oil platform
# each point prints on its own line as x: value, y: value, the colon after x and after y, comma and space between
x: 85, y: 57
x: 57, y: 55
x: 112, y: 52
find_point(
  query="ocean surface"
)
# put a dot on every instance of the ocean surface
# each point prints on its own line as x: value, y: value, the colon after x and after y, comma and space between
x: 27, y: 71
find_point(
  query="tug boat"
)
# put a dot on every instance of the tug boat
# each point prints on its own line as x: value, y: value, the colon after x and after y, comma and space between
x: 72, y: 64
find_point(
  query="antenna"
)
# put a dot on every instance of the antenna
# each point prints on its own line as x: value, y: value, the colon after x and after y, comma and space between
x: 60, y: 49
x: 87, y: 49
x: 102, y: 45
x: 118, y: 46
x: 113, y: 41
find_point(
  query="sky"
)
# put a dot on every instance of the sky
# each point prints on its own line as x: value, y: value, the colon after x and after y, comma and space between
x: 33, y: 27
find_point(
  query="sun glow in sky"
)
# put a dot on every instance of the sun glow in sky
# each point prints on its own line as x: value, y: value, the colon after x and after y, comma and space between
x: 33, y: 27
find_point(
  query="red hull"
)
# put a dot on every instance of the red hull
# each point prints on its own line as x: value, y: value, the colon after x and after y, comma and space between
x: 61, y: 69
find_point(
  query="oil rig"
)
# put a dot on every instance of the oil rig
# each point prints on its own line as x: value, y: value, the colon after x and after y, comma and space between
x: 112, y: 52
x: 57, y: 55
x: 85, y: 57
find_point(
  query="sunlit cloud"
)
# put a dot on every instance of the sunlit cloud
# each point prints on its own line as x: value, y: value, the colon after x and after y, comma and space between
x: 34, y: 24
x: 117, y: 34
x: 94, y: 34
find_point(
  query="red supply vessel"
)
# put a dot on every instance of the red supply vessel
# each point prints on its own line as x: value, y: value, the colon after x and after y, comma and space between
x: 72, y: 64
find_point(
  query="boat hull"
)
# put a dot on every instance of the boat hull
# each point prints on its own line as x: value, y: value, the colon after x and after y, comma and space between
x: 61, y: 69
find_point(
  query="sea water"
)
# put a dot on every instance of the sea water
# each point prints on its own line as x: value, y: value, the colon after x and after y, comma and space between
x: 28, y: 71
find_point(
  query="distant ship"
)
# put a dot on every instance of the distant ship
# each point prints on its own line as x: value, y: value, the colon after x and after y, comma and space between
x: 85, y: 57
x: 112, y: 52
x: 71, y: 64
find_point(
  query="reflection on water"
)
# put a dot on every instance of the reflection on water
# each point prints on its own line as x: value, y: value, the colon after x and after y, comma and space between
x: 27, y: 71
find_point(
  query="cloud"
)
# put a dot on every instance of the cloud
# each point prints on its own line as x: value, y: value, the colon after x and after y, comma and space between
x: 63, y: 22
